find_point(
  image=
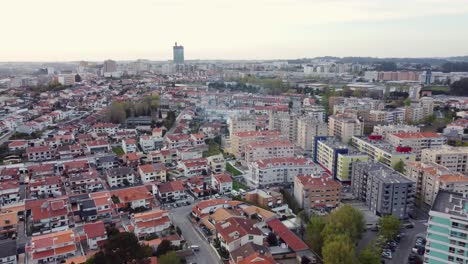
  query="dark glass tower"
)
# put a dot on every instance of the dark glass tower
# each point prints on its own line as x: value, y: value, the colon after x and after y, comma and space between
x: 178, y: 52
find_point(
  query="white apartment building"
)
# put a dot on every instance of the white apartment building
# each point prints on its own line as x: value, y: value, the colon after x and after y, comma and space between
x: 279, y: 170
x: 344, y: 127
x: 454, y: 158
x: 417, y: 141
x: 240, y: 123
x: 265, y: 150
x: 384, y: 130
x: 117, y: 177
x: 307, y: 129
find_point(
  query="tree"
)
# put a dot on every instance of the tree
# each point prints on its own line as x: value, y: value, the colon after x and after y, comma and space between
x: 389, y: 226
x: 169, y: 258
x: 170, y: 119
x: 344, y: 220
x: 400, y: 166
x: 369, y: 255
x: 116, y: 113
x: 314, y: 230
x: 122, y: 248
x: 272, y: 239
x: 339, y: 250
x: 408, y: 102
x: 460, y: 87
x: 77, y: 78
x: 164, y: 247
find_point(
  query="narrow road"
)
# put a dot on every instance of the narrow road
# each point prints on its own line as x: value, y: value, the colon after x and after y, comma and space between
x: 179, y: 217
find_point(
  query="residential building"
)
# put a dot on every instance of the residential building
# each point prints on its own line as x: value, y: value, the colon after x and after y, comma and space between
x: 265, y: 198
x: 109, y: 66
x: 85, y: 182
x: 344, y: 127
x: 66, y: 79
x: 432, y: 177
x: 8, y: 252
x: 307, y: 130
x: 51, y: 248
x: 382, y: 189
x: 48, y: 215
x: 204, y: 208
x: 168, y: 192
x: 134, y: 197
x: 178, y: 141
x: 150, y: 223
x: 336, y: 158
x: 9, y: 192
x: 417, y: 141
x: 240, y: 139
x: 266, y: 150
x: 194, y: 167
x: 291, y: 241
x: 221, y: 183
x: 279, y: 170
x: 217, y: 163
x: 315, y: 192
x: 284, y: 122
x: 178, y: 52
x: 385, y: 130
x: 95, y: 234
x: 152, y: 172
x: 40, y: 153
x: 129, y: 145
x: 121, y: 176
x: 49, y: 186
x: 241, y: 123
x: 394, y: 116
x: 236, y: 232
x: 447, y: 229
x: 379, y: 150
x: 147, y: 144
x: 453, y: 158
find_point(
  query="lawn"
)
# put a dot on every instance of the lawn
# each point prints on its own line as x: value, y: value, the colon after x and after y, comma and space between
x: 232, y: 170
x: 436, y: 88
x: 238, y: 185
x: 118, y: 151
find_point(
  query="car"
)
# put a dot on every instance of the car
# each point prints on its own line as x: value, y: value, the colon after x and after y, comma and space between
x: 374, y: 229
x: 409, y: 226
x: 387, y: 255
x: 195, y: 247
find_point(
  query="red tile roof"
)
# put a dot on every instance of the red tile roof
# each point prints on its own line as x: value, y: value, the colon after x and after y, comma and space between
x: 95, y: 229
x: 171, y: 186
x: 294, y: 242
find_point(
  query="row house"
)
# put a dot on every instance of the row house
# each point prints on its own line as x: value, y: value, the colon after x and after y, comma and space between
x: 41, y: 170
x: 164, y: 156
x: 51, y: 248
x: 49, y: 186
x: 134, y: 197
x: 150, y: 223
x: 69, y: 151
x: 9, y: 192
x: 152, y: 172
x: 195, y: 167
x: 168, y: 192
x: 127, y: 134
x: 17, y: 145
x: 7, y: 174
x: 198, y: 186
x: 178, y: 141
x: 107, y: 162
x: 203, y: 208
x: 39, y: 153
x: 197, y: 139
x: 95, y: 234
x: 236, y: 232
x: 76, y: 166
x: 122, y: 176
x: 97, y: 146
x: 85, y: 182
x: 107, y: 128
x: 48, y: 214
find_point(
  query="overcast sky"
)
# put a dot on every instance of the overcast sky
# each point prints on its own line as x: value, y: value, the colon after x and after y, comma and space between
x: 63, y: 30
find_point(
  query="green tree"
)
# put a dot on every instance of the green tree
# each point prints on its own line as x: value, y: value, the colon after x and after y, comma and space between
x: 169, y: 258
x: 164, y: 247
x: 408, y: 102
x: 116, y: 113
x: 344, y: 220
x: 369, y: 255
x: 339, y: 250
x: 314, y: 230
x: 77, y: 78
x: 400, y: 166
x: 389, y: 226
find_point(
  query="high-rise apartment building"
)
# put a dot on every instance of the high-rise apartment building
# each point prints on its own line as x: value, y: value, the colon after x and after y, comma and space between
x: 454, y: 158
x: 344, y: 127
x: 109, y: 66
x: 240, y: 139
x: 447, y: 232
x: 178, y: 53
x: 385, y: 130
x: 241, y: 123
x: 382, y: 189
x: 417, y: 141
x: 307, y: 130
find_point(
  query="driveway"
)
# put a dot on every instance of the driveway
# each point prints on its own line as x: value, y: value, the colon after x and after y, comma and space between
x: 179, y: 217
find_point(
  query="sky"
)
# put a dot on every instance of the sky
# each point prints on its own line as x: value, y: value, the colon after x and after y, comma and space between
x: 66, y: 30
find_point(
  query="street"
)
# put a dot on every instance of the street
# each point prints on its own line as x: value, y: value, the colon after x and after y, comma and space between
x: 407, y: 243
x: 206, y: 254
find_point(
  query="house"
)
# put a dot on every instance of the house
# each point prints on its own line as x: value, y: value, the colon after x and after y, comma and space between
x: 152, y: 172
x: 132, y: 159
x: 164, y: 156
x: 41, y: 170
x: 9, y: 219
x: 204, y: 208
x: 39, y: 153
x: 217, y: 163
x: 17, y: 145
x: 199, y: 187
x: 51, y: 248
x: 8, y: 252
x: 107, y: 162
x: 48, y: 214
x: 150, y: 223
x: 134, y: 197
x: 194, y: 167
x: 97, y: 146
x: 169, y: 192
x: 129, y: 145
x: 178, y: 141
x: 85, y: 182
x: 50, y: 186
x: 246, y: 251
x: 9, y: 192
x: 236, y: 232
x: 197, y: 139
x: 287, y: 237
x: 122, y: 176
x: 69, y: 151
x: 75, y: 166
x: 103, y: 203
x: 147, y: 144
x: 222, y: 183
x: 107, y: 128
x: 95, y: 234
x: 265, y: 198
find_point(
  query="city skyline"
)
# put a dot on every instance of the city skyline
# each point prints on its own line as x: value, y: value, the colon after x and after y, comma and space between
x: 123, y: 30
